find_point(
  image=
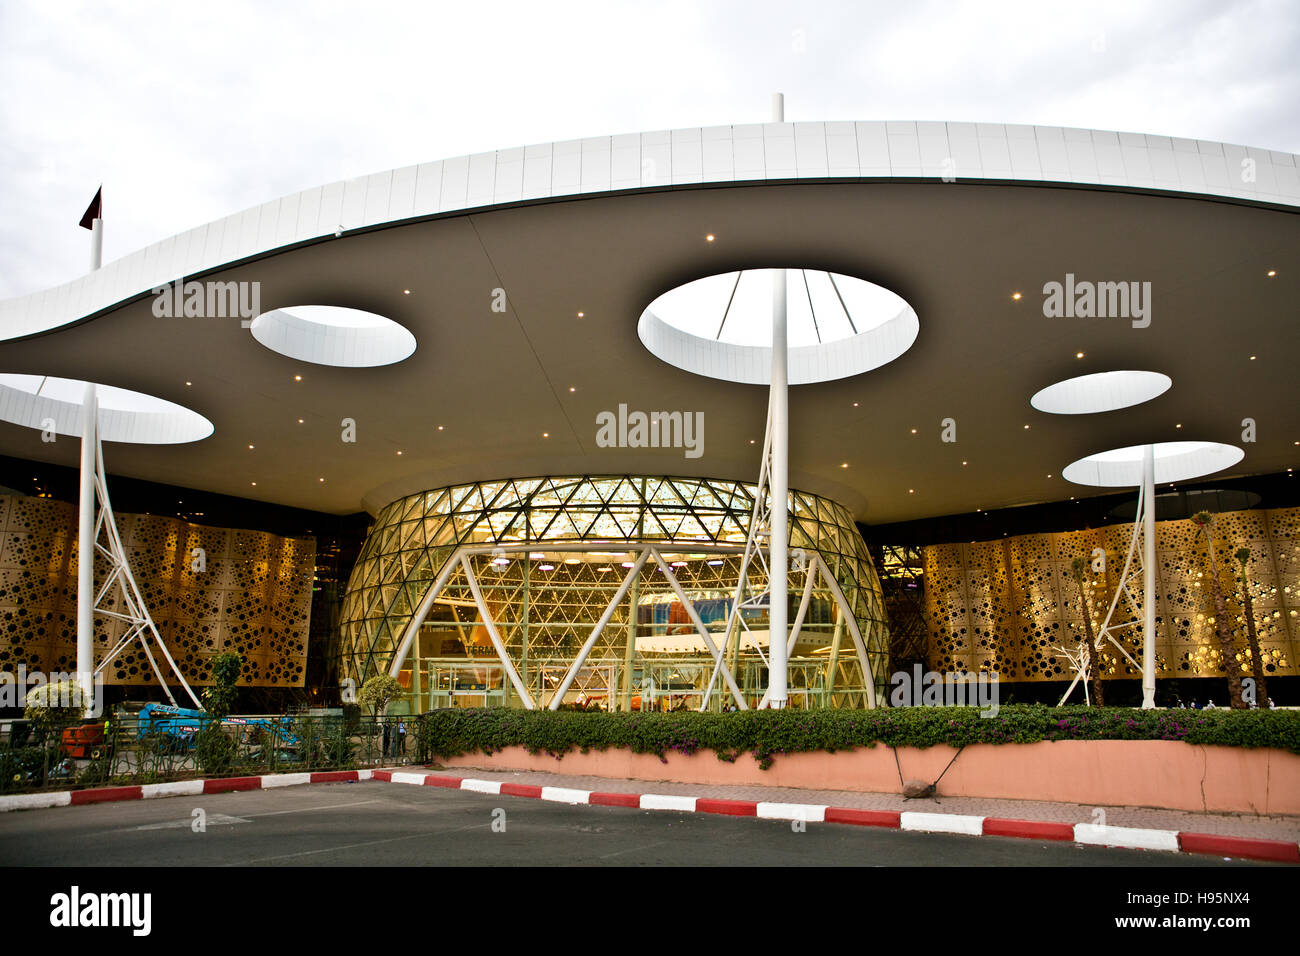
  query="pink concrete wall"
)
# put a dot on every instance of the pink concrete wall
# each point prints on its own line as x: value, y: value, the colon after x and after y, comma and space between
x: 1141, y: 773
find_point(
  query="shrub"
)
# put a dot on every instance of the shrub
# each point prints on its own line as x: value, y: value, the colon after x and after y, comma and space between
x: 52, y: 707
x: 379, y: 691
x: 768, y: 733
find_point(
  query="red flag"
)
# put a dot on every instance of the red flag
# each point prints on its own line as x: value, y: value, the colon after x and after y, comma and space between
x: 95, y: 210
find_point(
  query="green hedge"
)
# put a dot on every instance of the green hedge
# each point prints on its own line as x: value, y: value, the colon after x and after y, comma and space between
x: 768, y: 733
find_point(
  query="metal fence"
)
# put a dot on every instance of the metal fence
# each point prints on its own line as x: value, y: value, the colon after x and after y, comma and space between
x: 129, y: 750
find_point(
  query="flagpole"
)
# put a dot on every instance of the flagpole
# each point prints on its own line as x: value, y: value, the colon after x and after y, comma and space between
x: 93, y: 219
x: 96, y: 244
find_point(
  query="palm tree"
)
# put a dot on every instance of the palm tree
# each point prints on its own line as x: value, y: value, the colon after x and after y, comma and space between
x: 1227, y: 646
x: 1252, y: 639
x: 1079, y: 570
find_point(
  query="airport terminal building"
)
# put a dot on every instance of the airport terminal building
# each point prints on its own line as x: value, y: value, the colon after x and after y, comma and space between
x: 505, y: 426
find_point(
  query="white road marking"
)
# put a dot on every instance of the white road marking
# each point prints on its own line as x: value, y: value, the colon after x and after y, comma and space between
x: 212, y: 820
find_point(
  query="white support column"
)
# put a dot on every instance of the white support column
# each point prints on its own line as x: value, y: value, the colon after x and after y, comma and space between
x: 96, y: 244
x: 864, y: 660
x: 558, y: 697
x: 86, y: 547
x: 779, y: 546
x: 810, y: 578
x: 421, y: 612
x: 1148, y: 578
x: 495, y: 636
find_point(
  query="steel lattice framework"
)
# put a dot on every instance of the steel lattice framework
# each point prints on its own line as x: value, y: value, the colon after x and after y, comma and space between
x: 534, y: 581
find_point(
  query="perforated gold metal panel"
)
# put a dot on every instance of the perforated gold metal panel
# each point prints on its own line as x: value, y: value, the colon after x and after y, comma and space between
x: 252, y: 597
x: 1004, y: 605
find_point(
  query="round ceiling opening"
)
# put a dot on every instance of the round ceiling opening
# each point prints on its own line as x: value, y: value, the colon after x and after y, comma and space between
x: 1101, y: 392
x: 1174, y: 461
x: 333, y: 335
x: 721, y: 326
x: 48, y: 403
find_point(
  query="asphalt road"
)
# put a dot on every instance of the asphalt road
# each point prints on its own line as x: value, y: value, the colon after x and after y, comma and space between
x: 374, y: 824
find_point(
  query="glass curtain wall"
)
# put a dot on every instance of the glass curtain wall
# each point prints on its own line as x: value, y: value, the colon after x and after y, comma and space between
x: 548, y: 557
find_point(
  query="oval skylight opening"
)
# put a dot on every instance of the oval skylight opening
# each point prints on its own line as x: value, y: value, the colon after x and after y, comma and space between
x: 333, y: 335
x: 46, y: 402
x: 1174, y: 461
x: 720, y: 326
x: 1101, y: 392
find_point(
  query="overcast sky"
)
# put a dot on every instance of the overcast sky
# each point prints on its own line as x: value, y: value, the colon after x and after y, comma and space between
x: 187, y: 112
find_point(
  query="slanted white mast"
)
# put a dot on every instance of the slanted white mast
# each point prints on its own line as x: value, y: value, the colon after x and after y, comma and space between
x: 131, y: 611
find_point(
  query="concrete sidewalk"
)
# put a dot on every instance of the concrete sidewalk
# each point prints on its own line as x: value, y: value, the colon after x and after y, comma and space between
x: 1286, y: 828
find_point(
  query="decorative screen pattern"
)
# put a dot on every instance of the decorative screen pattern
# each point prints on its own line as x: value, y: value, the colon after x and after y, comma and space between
x: 555, y: 600
x: 252, y: 596
x: 1003, y: 606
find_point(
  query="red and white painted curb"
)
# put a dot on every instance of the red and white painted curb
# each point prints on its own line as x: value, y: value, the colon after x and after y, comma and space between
x: 181, y: 788
x: 1129, y: 837
x: 1277, y: 851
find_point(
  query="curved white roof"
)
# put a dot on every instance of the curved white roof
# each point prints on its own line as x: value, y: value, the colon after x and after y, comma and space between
x: 678, y: 158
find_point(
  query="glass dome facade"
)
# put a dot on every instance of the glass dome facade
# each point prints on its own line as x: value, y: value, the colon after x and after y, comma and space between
x: 490, y: 592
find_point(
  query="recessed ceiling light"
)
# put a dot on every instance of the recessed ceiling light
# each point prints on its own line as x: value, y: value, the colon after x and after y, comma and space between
x: 187, y: 384
x: 572, y: 561
x: 322, y: 479
x: 581, y: 314
x: 254, y: 484
x: 844, y: 465
x: 399, y: 452
x: 1026, y: 428
x: 855, y: 404
x: 572, y: 389
x: 1179, y: 425
x: 1252, y: 358
x: 439, y: 428
x: 709, y: 237
x: 1271, y: 273
x: 300, y: 421
x: 546, y: 567
x: 1015, y: 296
x: 1078, y: 355
x: 546, y: 434
x: 963, y: 462
x: 913, y: 431
x: 406, y: 292
x: 911, y: 491
x: 297, y: 378
x: 751, y: 441
x: 1049, y: 476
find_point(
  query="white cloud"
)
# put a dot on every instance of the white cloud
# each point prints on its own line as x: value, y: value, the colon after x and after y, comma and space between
x: 188, y: 112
